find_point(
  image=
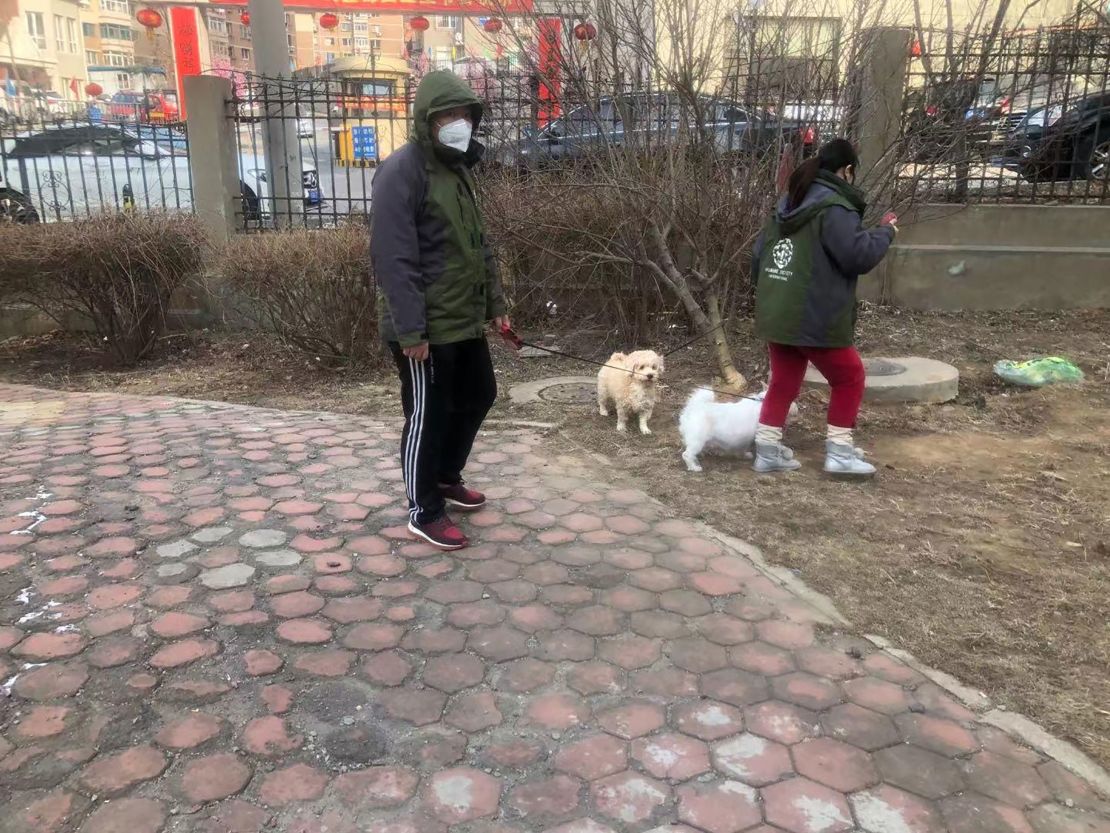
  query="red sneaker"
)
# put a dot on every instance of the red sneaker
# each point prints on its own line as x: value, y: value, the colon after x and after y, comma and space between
x: 441, y: 533
x: 462, y: 498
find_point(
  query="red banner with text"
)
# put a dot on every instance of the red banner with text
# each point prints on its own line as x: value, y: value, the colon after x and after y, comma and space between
x: 186, y: 49
x: 476, y: 7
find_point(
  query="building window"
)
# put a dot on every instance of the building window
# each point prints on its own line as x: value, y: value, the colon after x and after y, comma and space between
x: 329, y: 41
x: 345, y: 42
x: 71, y: 35
x: 362, y: 27
x: 59, y: 33
x: 117, y: 6
x: 244, y: 33
x: 36, y: 29
x: 118, y: 59
x: 113, y: 31
x: 362, y: 43
x: 446, y: 21
x: 91, y: 58
x: 123, y: 80
x: 89, y: 30
x: 330, y: 57
x: 442, y: 56
x: 244, y: 54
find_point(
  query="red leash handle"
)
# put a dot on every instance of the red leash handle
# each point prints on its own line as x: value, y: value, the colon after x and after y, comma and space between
x: 511, y: 337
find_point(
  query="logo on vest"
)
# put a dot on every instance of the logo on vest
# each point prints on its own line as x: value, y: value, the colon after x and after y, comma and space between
x: 782, y: 254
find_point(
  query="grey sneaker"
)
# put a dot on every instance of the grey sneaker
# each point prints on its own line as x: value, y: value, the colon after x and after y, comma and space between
x: 771, y: 458
x: 844, y: 461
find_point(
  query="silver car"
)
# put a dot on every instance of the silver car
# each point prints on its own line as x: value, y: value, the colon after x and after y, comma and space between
x: 72, y: 171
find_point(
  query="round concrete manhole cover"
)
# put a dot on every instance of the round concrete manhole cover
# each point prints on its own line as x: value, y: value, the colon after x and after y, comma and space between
x: 561, y: 390
x: 570, y: 393
x: 910, y: 379
x: 882, y: 367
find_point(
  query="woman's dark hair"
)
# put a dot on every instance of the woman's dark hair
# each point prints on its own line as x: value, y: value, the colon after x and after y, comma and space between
x: 832, y: 156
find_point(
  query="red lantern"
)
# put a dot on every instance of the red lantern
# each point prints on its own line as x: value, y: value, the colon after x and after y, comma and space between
x: 493, y: 25
x: 915, y: 49
x: 149, y: 18
x: 92, y: 89
x: 328, y: 20
x: 585, y: 31
x: 419, y: 23
x: 245, y: 18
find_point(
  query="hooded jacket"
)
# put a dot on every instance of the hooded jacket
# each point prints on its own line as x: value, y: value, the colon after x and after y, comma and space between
x: 436, y: 273
x: 807, y: 262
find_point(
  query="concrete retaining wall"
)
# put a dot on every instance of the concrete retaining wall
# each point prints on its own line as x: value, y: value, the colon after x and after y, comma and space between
x: 997, y: 257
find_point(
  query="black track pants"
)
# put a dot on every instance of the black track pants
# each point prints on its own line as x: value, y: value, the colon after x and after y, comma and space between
x: 445, y: 400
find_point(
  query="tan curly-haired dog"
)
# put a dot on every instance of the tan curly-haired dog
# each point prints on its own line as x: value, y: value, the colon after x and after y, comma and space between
x: 628, y: 384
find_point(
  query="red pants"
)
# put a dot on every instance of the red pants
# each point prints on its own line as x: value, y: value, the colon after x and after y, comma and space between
x: 841, y: 366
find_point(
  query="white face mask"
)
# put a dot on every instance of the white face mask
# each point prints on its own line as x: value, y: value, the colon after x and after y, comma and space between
x: 456, y: 135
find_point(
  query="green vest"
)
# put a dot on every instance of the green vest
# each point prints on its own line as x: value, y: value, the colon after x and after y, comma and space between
x: 789, y: 285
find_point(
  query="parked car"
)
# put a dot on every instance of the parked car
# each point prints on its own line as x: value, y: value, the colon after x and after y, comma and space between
x: 1058, y: 142
x: 945, y: 115
x: 142, y: 107
x: 72, y: 171
x: 730, y: 127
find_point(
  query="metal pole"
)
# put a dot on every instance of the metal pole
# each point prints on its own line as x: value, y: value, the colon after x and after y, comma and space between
x: 279, y: 126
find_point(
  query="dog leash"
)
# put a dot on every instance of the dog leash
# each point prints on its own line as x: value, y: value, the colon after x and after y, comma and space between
x: 517, y: 342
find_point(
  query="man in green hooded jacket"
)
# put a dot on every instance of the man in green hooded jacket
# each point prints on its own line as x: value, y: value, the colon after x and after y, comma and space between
x: 439, y: 291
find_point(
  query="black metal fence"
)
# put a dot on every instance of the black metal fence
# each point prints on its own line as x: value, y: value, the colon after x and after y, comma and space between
x: 1021, y: 117
x: 56, y: 168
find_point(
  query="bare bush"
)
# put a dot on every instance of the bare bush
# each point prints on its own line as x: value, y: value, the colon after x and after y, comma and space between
x: 117, y: 271
x: 312, y: 289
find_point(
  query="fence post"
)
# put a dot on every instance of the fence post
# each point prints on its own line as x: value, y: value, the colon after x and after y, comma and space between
x: 213, y: 159
x: 883, y: 65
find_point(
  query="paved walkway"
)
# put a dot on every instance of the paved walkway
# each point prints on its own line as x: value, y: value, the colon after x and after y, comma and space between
x: 211, y: 620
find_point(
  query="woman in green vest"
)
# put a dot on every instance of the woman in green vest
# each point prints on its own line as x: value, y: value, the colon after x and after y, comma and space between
x: 806, y: 265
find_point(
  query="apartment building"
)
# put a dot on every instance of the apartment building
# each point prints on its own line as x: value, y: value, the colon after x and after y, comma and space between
x: 42, y: 52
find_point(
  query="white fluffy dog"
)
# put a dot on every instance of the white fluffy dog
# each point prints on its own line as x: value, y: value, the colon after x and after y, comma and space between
x: 628, y: 384
x: 719, y: 426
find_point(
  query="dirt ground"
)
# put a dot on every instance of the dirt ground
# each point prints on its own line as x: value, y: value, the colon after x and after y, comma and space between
x: 983, y: 547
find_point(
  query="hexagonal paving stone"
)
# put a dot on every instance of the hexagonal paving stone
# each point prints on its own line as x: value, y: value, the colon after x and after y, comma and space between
x: 944, y: 737
x: 834, y: 764
x: 593, y: 757
x: 671, y: 756
x: 739, y: 688
x: 632, y: 719
x: 550, y: 799
x: 708, y: 720
x: 1005, y: 779
x: 629, y: 797
x: 860, y: 727
x: 719, y: 807
x: 453, y: 672
x: 782, y: 722
x: 887, y: 808
x: 806, y: 690
x: 974, y: 813
x: 752, y: 759
x: 459, y: 795
x: 803, y: 806
x: 919, y: 771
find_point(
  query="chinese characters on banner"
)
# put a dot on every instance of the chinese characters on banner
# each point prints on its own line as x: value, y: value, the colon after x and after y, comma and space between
x: 549, y: 63
x: 186, y: 48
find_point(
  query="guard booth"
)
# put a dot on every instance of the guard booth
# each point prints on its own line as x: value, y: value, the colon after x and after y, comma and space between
x: 372, y: 108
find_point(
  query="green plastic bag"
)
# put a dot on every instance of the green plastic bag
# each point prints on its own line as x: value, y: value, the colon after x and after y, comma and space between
x: 1037, y: 372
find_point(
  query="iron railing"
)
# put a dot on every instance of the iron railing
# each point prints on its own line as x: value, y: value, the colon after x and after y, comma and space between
x: 57, y: 168
x: 1021, y: 117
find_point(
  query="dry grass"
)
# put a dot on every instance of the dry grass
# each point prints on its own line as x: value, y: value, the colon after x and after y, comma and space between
x: 984, y: 547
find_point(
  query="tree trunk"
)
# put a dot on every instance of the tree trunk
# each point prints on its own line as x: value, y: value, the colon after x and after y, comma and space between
x: 732, y: 380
